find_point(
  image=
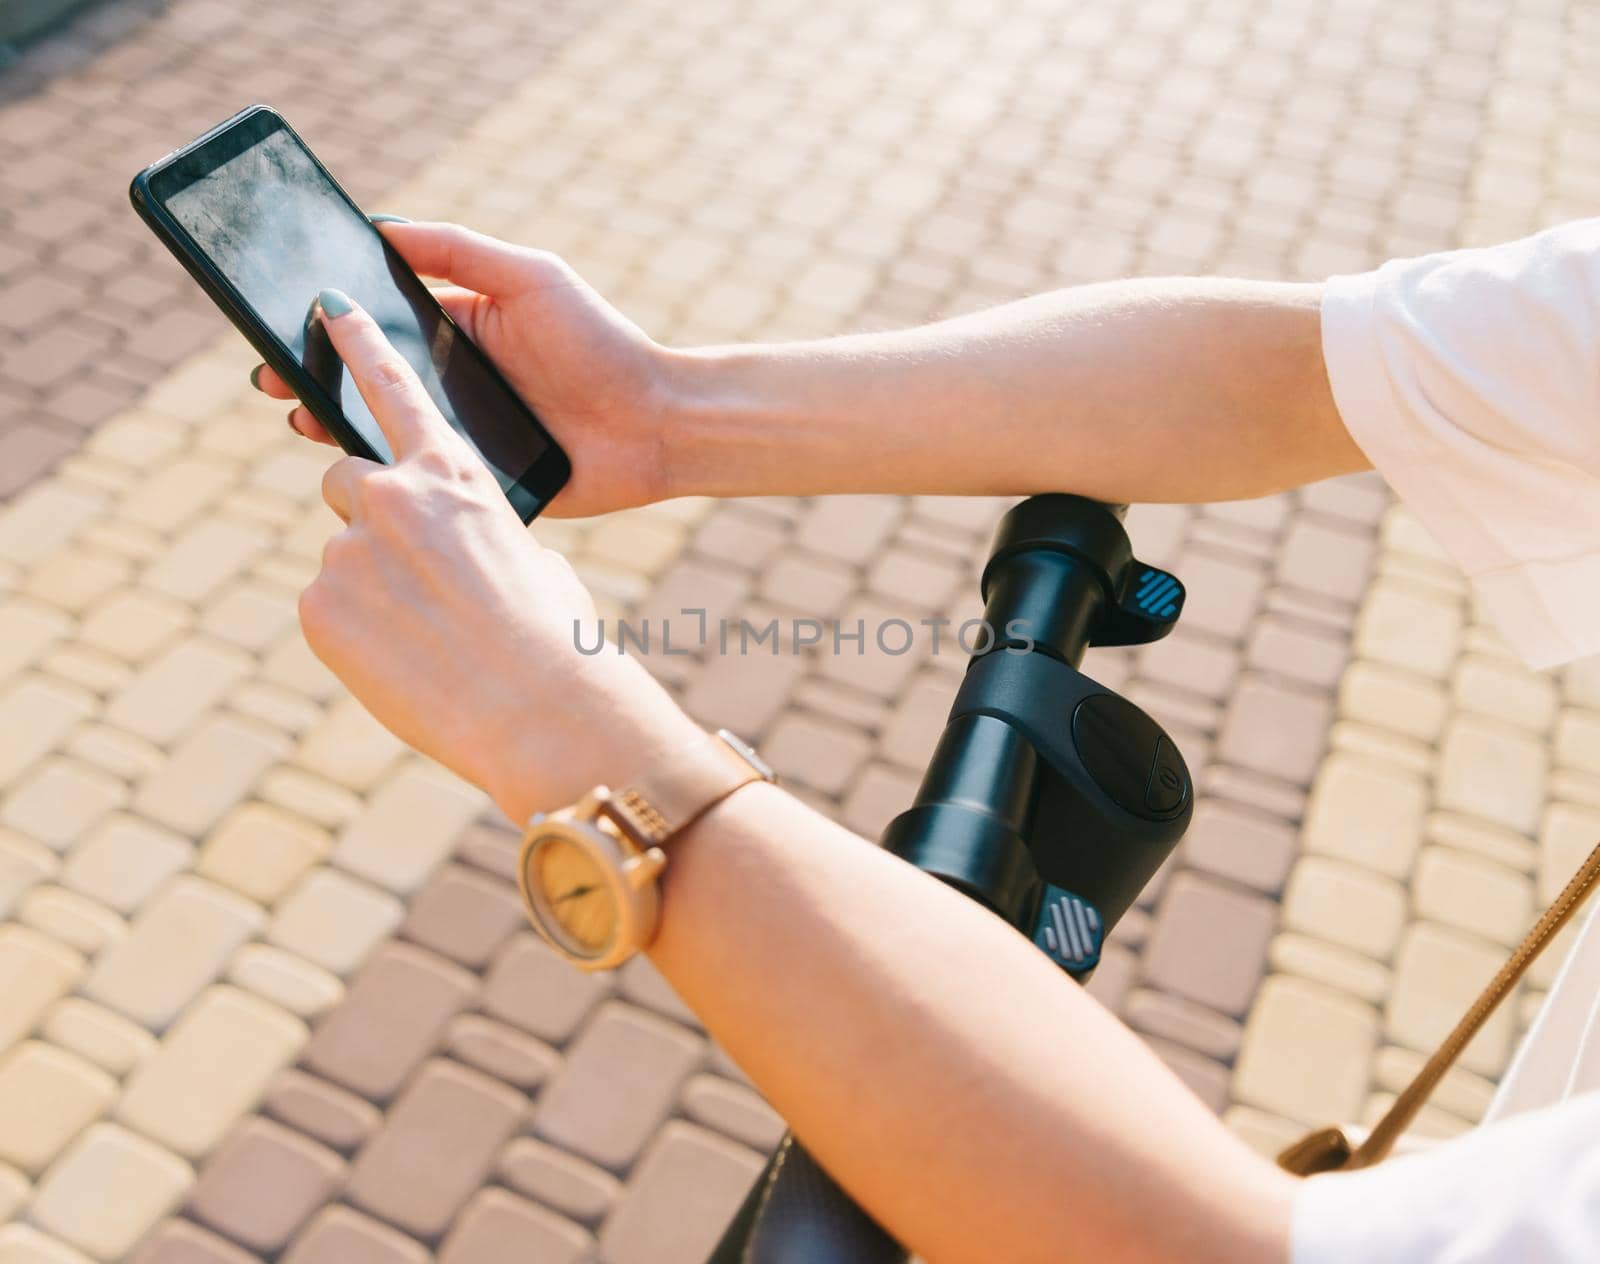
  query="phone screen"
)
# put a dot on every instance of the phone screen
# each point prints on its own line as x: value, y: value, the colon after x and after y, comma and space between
x: 280, y: 231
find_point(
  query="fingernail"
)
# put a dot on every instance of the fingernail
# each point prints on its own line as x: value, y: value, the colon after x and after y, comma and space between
x: 335, y: 303
x: 388, y: 219
x: 292, y: 426
x: 255, y: 376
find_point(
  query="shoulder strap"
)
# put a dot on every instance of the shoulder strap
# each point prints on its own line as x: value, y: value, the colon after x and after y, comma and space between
x: 1328, y: 1150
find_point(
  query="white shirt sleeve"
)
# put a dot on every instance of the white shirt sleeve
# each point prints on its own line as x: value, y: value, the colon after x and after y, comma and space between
x: 1525, y: 1191
x: 1471, y: 380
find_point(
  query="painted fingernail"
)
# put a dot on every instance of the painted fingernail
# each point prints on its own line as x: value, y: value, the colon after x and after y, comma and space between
x: 335, y: 303
x: 255, y: 376
x: 388, y: 219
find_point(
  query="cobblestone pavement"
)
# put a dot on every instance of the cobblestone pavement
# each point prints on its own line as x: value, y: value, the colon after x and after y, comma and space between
x: 266, y: 980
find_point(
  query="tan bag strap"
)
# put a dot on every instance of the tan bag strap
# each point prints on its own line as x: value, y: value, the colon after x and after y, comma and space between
x: 1328, y: 1149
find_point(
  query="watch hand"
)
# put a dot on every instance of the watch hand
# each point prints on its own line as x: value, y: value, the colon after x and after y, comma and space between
x: 574, y: 894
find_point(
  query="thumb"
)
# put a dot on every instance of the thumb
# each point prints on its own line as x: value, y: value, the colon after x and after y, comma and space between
x: 464, y: 258
x: 406, y: 414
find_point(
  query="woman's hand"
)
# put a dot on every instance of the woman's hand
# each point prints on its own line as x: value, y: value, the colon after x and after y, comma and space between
x: 592, y: 376
x: 450, y: 622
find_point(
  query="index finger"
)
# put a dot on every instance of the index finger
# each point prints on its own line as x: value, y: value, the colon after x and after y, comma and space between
x: 408, y: 417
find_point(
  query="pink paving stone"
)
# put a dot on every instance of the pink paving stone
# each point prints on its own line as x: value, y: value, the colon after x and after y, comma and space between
x: 394, y: 1015
x: 1210, y: 943
x: 548, y: 1174
x: 619, y: 1081
x: 1326, y: 559
x: 464, y: 915
x: 1298, y: 651
x: 1239, y: 843
x: 531, y: 987
x: 332, y: 1115
x: 179, y: 1242
x: 263, y: 1184
x: 1223, y: 595
x: 341, y: 1235
x: 435, y: 1148
x: 680, y: 1199
x: 501, y: 1051
x: 500, y: 1228
x: 1276, y: 730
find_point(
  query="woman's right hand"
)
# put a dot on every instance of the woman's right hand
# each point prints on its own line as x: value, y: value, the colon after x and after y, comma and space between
x: 600, y: 384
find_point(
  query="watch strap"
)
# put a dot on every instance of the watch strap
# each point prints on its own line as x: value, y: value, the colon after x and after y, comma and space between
x: 677, y: 791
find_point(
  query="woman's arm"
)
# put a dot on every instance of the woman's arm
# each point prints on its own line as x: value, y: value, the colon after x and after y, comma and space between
x: 976, y: 1101
x: 1168, y: 389
x: 1163, y: 390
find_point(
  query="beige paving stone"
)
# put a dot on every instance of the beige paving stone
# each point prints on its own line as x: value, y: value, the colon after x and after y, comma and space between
x: 1581, y: 680
x: 291, y: 663
x: 261, y: 851
x: 315, y: 798
x: 1493, y: 842
x: 121, y: 754
x: 210, y: 770
x: 1345, y: 904
x: 123, y: 538
x: 1366, y: 813
x: 176, y: 688
x: 106, y: 1039
x: 733, y: 1110
x: 1406, y: 627
x: 71, y: 1200
x: 249, y: 614
x: 23, y: 864
x: 294, y: 471
x: 1505, y: 691
x: 1577, y: 740
x: 47, y: 1096
x: 212, y: 1067
x: 1343, y: 969
x: 34, y: 971
x: 132, y: 624
x: 305, y: 990
x: 176, y: 492
x: 137, y: 440
x: 204, y: 557
x: 60, y: 801
x: 1567, y: 835
x: 81, y: 923
x: 1307, y: 1052
x: 27, y: 630
x: 1381, y: 746
x: 1438, y: 972
x: 573, y: 1186
x: 74, y: 580
x: 14, y: 1193
x: 43, y: 518
x: 124, y: 860
x: 35, y: 714
x: 408, y: 827
x: 276, y: 707
x: 349, y: 747
x: 1492, y: 771
x: 1458, y: 888
x: 21, y: 1244
x: 334, y: 920
x: 177, y: 944
x: 1460, y: 1092
x: 93, y: 670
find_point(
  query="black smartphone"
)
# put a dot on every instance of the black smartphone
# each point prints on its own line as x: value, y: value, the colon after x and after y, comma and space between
x: 261, y: 225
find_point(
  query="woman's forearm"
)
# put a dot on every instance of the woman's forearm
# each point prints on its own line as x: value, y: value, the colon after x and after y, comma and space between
x: 977, y: 1102
x: 1155, y: 390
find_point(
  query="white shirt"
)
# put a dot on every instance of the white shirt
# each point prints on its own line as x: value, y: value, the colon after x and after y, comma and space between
x: 1471, y: 380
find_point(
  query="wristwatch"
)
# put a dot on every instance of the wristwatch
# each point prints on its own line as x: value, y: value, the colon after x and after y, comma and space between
x: 588, y: 873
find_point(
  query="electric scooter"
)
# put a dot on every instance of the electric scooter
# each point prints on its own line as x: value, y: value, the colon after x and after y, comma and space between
x: 1050, y: 799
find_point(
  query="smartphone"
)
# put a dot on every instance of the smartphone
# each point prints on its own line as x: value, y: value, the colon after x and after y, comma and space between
x: 261, y: 225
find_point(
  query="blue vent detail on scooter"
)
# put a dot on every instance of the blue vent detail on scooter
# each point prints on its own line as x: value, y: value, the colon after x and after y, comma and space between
x: 1069, y: 930
x: 1158, y: 593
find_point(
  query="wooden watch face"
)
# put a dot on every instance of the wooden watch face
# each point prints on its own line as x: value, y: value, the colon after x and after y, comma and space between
x: 576, y: 893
